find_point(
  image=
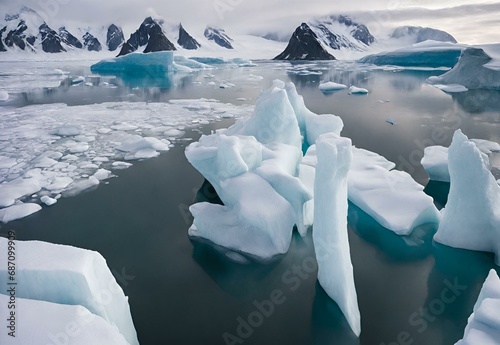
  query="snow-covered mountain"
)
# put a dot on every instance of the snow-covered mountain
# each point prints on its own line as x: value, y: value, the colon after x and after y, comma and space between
x: 304, y: 45
x: 339, y: 32
x: 150, y: 36
x: 219, y: 36
x: 339, y: 35
x: 417, y: 34
x: 26, y: 30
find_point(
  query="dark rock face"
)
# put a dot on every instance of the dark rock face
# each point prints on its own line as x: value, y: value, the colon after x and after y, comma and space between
x: 158, y: 41
x: 2, y: 47
x: 114, y: 37
x: 127, y: 48
x: 51, y: 42
x: 69, y: 39
x: 91, y: 43
x: 218, y: 36
x: 187, y: 41
x: 17, y: 36
x: 304, y: 45
x: 139, y: 38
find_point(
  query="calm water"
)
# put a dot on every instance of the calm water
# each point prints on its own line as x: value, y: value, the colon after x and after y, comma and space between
x: 185, y: 292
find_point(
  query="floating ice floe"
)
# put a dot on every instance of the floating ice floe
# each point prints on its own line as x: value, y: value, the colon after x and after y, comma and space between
x: 451, y: 88
x: 391, y: 120
x: 353, y: 90
x: 331, y: 243
x: 391, y: 197
x: 472, y: 71
x: 58, y: 149
x: 483, y: 326
x: 18, y: 211
x: 331, y: 86
x: 471, y: 222
x: 71, y: 276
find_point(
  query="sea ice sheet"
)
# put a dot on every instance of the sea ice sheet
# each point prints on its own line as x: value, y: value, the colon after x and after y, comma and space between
x: 54, y: 148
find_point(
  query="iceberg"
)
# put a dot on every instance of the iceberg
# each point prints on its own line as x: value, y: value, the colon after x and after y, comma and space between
x: 70, y: 276
x: 471, y: 218
x: 483, y: 326
x: 331, y: 86
x: 435, y: 160
x: 353, y: 90
x: 331, y: 243
x: 425, y: 54
x: 253, y: 166
x: 53, y: 323
x: 473, y: 71
x: 137, y: 63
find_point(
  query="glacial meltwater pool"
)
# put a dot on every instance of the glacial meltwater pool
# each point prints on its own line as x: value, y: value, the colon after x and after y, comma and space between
x: 411, y: 290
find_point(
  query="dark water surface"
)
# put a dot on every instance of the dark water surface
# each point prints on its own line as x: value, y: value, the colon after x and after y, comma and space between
x: 410, y: 289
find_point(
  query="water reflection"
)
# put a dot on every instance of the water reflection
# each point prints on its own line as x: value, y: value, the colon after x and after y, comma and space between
x: 478, y: 101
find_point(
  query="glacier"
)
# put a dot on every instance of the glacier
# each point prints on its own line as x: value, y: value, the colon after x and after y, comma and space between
x: 471, y: 222
x: 483, y: 326
x: 70, y: 276
x: 52, y: 323
x: 425, y: 54
x: 475, y: 70
x: 331, y: 243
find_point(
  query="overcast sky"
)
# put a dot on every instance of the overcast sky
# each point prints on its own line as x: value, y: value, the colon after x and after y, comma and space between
x: 472, y: 21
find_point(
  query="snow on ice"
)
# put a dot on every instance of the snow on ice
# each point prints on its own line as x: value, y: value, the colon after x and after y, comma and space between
x: 72, y: 276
